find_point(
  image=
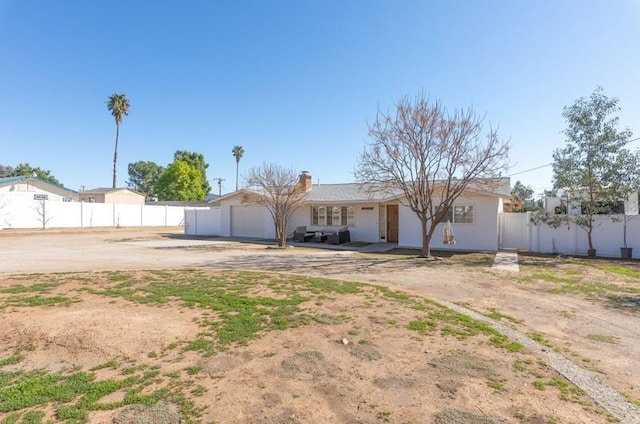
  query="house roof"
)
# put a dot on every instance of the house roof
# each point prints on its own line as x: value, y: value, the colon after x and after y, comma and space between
x: 107, y: 190
x: 39, y: 182
x: 187, y: 203
x: 357, y: 193
x: 349, y: 192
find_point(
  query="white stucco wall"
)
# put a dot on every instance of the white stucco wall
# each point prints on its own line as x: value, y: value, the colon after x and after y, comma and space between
x: 367, y: 226
x: 481, y: 235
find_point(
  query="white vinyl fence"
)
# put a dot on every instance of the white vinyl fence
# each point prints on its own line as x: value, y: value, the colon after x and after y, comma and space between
x: 518, y: 232
x: 202, y: 222
x: 27, y: 213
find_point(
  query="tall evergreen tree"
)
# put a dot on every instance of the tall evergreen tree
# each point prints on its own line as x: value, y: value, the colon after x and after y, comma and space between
x: 118, y: 105
x: 238, y: 152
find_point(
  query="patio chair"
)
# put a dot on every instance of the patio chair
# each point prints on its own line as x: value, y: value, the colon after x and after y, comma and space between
x: 301, y: 235
x: 341, y: 237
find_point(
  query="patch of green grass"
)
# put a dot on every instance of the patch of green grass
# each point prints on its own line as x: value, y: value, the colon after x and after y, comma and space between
x: 498, y: 316
x: 129, y: 370
x: 38, y: 300
x: 199, y: 390
x: 502, y: 341
x: 240, y: 314
x: 113, y: 364
x: 201, y: 344
x: 11, y: 360
x: 591, y: 288
x: 550, y: 277
x: 393, y: 294
x: 422, y: 326
x: 73, y: 394
x: 497, y: 384
x: 32, y: 417
x: 118, y: 276
x: 573, y: 282
x: 10, y: 419
x: 384, y: 416
x: 522, y: 365
x: 33, y: 288
x: 620, y: 270
x: 540, y: 339
x: 568, y: 392
x: 460, y: 325
x: 193, y: 370
x: 540, y: 385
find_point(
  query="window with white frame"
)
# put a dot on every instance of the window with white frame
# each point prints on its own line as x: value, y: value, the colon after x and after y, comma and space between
x: 335, y: 216
x: 460, y: 214
x: 463, y: 214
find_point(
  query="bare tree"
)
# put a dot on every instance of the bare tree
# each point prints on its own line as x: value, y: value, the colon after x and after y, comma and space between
x: 277, y: 189
x: 4, y: 204
x: 43, y: 214
x: 428, y: 157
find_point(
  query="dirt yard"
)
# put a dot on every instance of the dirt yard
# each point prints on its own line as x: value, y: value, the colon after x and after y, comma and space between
x: 226, y: 332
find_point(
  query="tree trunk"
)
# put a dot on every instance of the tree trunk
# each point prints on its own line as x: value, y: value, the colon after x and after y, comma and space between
x: 115, y: 154
x: 281, y: 233
x: 589, y: 238
x: 237, y: 165
x: 426, y: 240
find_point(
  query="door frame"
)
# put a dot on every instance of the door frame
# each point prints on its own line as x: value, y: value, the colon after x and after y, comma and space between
x: 391, y: 239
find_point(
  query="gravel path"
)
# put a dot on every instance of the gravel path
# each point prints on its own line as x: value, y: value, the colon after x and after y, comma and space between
x: 604, y: 395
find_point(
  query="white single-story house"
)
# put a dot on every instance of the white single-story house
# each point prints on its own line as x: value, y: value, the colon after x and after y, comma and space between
x: 34, y: 188
x: 112, y: 195
x: 369, y: 217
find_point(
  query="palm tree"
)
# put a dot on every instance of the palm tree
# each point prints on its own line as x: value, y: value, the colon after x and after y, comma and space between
x: 118, y: 105
x: 237, y: 151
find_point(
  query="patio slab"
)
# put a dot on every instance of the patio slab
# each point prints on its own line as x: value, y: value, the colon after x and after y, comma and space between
x: 506, y: 261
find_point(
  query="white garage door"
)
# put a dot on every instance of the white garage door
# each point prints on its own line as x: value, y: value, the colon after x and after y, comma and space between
x: 247, y: 221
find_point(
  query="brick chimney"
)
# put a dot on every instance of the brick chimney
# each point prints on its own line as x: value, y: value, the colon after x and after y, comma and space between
x: 305, y: 181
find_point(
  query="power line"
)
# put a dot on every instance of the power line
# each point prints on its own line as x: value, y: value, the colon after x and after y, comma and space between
x: 219, y: 181
x: 532, y: 169
x: 549, y: 164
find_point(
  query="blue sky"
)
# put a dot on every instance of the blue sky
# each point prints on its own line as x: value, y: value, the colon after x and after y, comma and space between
x: 295, y: 82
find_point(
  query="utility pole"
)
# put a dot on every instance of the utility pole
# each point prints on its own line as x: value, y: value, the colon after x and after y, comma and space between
x: 219, y: 180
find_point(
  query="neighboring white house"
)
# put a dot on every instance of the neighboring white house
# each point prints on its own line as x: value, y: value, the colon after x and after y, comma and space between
x: 369, y: 217
x: 123, y: 196
x: 34, y: 188
x: 562, y: 202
